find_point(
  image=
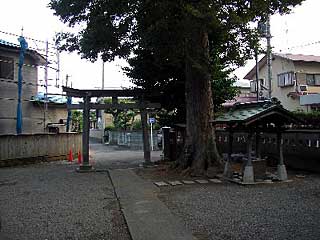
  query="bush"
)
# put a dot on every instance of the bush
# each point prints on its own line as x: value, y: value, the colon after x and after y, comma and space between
x: 310, y: 119
x: 137, y: 125
x: 109, y: 128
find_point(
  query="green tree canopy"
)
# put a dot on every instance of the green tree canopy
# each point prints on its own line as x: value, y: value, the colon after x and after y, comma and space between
x: 187, y: 42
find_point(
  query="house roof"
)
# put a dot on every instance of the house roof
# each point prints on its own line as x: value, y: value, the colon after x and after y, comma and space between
x: 253, y: 112
x: 39, y: 59
x: 230, y: 103
x: 289, y: 56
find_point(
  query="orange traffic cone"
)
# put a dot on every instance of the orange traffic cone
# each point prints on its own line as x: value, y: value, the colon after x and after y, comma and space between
x: 79, y: 157
x: 70, y: 157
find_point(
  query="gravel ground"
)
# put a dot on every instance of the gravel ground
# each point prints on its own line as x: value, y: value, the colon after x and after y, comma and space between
x: 230, y: 211
x: 52, y: 201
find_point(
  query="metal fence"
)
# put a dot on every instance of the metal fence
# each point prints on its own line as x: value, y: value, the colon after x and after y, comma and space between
x: 129, y: 139
x: 301, y: 148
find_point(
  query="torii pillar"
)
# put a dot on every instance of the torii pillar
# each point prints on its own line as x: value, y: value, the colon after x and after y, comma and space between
x: 85, y: 166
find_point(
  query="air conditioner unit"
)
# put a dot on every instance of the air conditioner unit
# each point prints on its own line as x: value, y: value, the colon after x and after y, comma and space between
x: 303, y: 88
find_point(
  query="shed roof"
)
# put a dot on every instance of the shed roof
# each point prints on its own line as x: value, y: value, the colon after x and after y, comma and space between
x: 256, y: 112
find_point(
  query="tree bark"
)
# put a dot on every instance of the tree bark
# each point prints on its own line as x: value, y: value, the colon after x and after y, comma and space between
x: 200, y: 139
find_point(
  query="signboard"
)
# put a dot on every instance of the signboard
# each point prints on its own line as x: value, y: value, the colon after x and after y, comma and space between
x: 152, y: 120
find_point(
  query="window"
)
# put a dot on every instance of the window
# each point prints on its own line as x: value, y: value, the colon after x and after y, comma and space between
x: 253, y: 85
x: 286, y: 79
x: 6, y: 67
x: 313, y: 79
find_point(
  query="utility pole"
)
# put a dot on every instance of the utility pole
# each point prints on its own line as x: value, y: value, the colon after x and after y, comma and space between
x: 69, y: 102
x: 58, y: 68
x: 67, y: 79
x: 257, y: 72
x: 102, y: 75
x: 269, y: 57
x: 100, y: 115
x: 46, y: 87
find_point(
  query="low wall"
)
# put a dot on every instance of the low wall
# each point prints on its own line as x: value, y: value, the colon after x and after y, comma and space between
x: 25, y: 148
x: 130, y: 139
x: 301, y: 148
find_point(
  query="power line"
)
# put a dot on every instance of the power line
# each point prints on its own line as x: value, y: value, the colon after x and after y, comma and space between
x: 16, y: 35
x: 31, y: 100
x: 14, y: 118
x: 304, y: 45
x: 29, y: 84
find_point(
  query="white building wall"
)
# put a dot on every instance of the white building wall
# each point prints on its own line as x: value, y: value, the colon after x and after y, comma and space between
x: 281, y: 65
x: 32, y: 113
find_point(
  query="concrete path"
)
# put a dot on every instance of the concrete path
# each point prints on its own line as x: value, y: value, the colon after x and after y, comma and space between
x: 147, y: 217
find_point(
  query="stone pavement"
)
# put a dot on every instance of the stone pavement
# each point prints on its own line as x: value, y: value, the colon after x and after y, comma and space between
x: 147, y: 217
x: 112, y: 157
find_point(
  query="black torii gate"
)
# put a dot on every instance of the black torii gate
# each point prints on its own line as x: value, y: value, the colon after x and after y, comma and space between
x: 87, y: 105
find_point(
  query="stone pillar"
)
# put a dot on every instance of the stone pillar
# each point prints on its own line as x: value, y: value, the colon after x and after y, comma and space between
x: 248, y: 175
x: 282, y: 171
x: 227, y: 167
x: 85, y: 136
x: 145, y: 135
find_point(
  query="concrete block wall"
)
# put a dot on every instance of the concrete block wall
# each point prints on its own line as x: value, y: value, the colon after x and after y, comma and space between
x: 17, y: 149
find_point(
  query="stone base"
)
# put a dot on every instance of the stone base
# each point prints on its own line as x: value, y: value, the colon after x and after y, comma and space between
x: 248, y: 176
x: 282, y: 173
x: 85, y: 168
x: 147, y: 164
x: 227, y: 170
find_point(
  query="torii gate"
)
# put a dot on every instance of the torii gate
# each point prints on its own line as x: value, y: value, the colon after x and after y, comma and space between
x: 87, y: 105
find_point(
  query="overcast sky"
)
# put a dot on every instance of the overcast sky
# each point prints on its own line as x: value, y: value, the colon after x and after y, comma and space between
x: 290, y: 31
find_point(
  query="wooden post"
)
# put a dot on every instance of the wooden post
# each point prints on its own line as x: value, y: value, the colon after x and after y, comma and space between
x: 249, y: 149
x: 145, y: 133
x: 166, y: 143
x: 85, y: 136
x: 258, y: 149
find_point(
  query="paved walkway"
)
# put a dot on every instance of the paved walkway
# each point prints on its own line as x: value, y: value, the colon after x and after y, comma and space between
x: 147, y: 217
x: 113, y: 157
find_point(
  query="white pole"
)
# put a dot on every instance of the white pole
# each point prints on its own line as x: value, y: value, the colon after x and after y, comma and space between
x: 269, y: 58
x: 46, y: 88
x: 151, y: 140
x: 102, y: 75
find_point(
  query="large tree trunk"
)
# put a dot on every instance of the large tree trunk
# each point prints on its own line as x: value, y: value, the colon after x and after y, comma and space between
x: 200, y: 139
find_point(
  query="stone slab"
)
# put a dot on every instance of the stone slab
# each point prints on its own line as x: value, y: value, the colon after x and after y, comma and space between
x: 214, y: 180
x: 201, y: 181
x: 175, y: 183
x: 188, y: 182
x: 161, y: 184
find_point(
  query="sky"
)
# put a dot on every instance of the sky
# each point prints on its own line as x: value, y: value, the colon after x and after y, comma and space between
x: 293, y: 33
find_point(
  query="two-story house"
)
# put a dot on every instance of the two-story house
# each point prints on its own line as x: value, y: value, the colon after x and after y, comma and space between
x: 32, y: 111
x: 295, y: 80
